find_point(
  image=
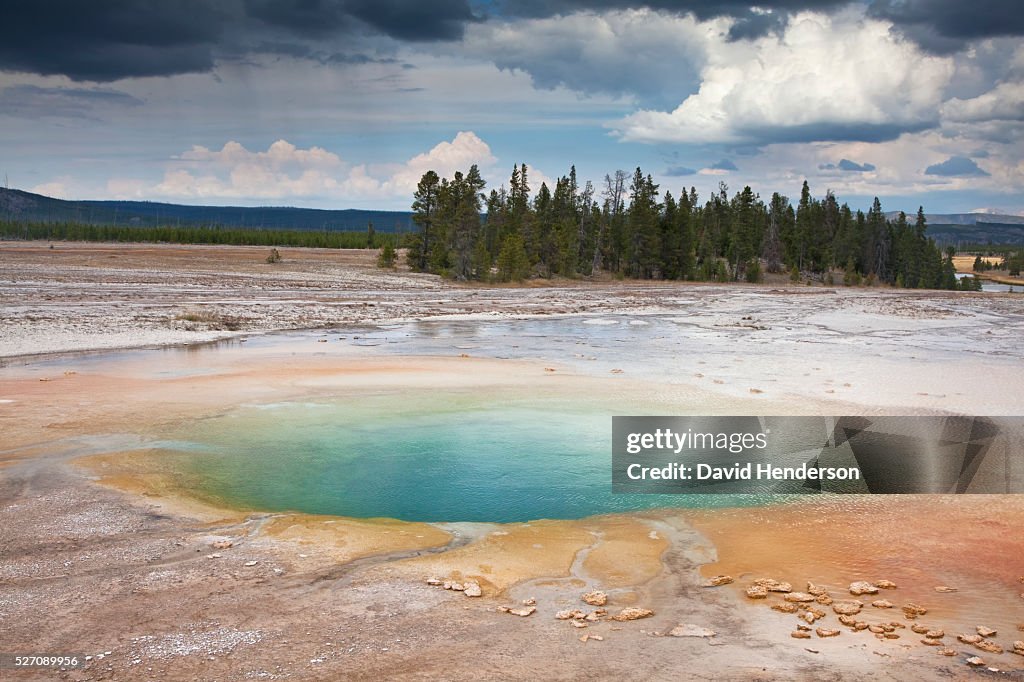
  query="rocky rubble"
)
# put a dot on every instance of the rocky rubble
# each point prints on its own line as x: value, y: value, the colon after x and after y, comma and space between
x: 632, y: 613
x: 469, y: 588
x: 849, y: 607
x: 799, y: 597
x: 989, y: 646
x: 847, y: 612
x: 772, y: 585
x: 718, y: 581
x: 862, y: 587
x: 757, y: 592
x: 579, y: 615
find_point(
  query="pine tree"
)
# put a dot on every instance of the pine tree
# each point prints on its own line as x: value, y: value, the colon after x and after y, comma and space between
x: 685, y: 243
x: 481, y: 261
x: 386, y: 259
x: 611, y: 234
x: 804, y: 228
x: 777, y: 221
x: 466, y: 196
x: 424, y: 208
x: 877, y: 242
x: 513, y: 264
x: 744, y: 232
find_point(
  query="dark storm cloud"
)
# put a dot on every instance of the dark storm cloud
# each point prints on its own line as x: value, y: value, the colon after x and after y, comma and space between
x: 28, y: 101
x: 770, y: 17
x: 754, y: 25
x: 300, y: 51
x: 848, y: 166
x: 836, y: 132
x: 853, y: 167
x: 724, y: 165
x: 415, y: 20
x: 944, y: 26
x: 113, y: 39
x: 104, y: 41
x: 357, y: 59
x: 702, y: 9
x: 956, y: 166
x: 412, y: 20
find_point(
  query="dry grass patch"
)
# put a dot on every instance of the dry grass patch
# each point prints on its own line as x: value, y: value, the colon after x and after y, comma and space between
x: 210, y: 319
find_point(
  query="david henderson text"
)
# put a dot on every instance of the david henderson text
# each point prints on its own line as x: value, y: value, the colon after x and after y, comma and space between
x: 740, y: 472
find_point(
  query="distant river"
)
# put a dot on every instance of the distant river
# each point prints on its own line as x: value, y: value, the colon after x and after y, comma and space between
x: 987, y: 285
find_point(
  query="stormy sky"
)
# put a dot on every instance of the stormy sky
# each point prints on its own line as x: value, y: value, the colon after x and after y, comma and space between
x: 345, y: 103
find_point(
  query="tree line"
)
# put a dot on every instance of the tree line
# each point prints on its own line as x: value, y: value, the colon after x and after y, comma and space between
x: 1013, y: 263
x: 235, y: 236
x: 630, y: 229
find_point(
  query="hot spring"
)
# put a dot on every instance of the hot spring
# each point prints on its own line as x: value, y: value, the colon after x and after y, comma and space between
x: 445, y: 457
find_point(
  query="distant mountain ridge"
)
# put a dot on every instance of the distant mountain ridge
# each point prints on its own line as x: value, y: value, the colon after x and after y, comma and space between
x: 963, y: 218
x: 978, y: 233
x: 971, y: 228
x: 20, y: 205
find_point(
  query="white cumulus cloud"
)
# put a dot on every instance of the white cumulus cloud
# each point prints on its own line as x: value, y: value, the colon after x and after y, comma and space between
x: 278, y: 155
x: 284, y: 171
x: 1005, y: 102
x: 824, y: 77
x: 445, y: 158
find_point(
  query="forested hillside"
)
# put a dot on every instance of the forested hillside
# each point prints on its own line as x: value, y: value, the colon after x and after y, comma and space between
x: 17, y: 205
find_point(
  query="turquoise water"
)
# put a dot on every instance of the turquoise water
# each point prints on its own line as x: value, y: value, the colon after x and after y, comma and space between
x: 444, y: 458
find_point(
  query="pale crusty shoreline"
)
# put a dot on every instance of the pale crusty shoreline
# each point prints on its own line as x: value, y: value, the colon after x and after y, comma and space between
x: 94, y: 296
x: 84, y: 296
x: 94, y: 568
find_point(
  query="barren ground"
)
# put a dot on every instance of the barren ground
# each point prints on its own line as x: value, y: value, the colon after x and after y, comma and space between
x: 105, y: 554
